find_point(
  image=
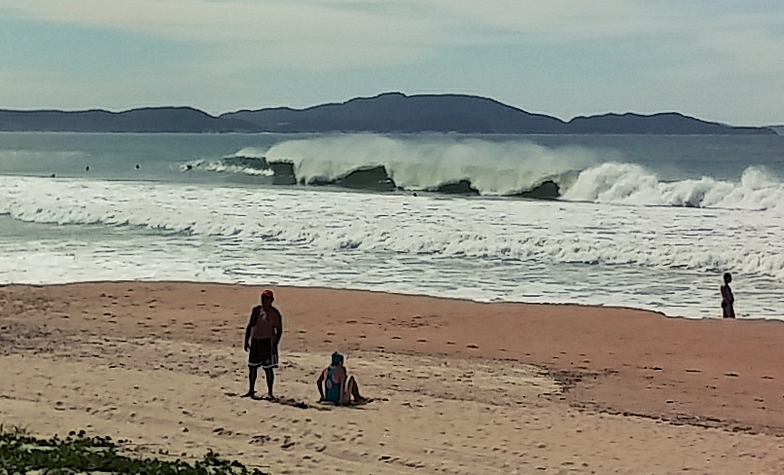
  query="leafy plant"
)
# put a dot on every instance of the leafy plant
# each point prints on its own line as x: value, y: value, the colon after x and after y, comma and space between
x: 21, y: 453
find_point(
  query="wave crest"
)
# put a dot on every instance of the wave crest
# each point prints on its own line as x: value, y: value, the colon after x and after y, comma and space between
x: 501, y: 168
x: 631, y: 184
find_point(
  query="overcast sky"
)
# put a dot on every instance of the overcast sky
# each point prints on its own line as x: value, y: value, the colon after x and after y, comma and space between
x: 719, y: 60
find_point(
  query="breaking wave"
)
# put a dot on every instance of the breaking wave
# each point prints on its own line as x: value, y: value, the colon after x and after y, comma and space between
x: 376, y: 163
x: 471, y: 166
x: 448, y: 164
x: 235, y: 164
x: 630, y: 184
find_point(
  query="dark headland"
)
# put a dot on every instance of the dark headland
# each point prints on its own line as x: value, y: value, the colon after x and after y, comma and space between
x: 385, y: 113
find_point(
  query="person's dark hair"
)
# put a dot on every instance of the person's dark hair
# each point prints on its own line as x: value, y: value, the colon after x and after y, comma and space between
x: 337, y: 358
x: 727, y: 277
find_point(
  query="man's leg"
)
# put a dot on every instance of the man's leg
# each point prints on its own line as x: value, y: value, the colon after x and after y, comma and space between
x: 353, y: 388
x: 270, y: 380
x: 252, y: 375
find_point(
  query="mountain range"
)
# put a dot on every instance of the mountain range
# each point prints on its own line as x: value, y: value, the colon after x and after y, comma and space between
x: 386, y: 113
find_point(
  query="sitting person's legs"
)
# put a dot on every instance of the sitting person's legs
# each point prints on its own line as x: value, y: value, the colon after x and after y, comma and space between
x: 351, y: 391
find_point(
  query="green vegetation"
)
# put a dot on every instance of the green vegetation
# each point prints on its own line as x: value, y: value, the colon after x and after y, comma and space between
x: 21, y: 453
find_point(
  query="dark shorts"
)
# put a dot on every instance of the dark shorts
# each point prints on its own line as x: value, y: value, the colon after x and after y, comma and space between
x: 727, y: 310
x: 263, y: 353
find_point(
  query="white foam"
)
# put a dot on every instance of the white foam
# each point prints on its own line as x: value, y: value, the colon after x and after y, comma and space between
x: 556, y: 232
x: 427, y: 162
x: 220, y: 166
x: 499, y: 248
x: 630, y: 184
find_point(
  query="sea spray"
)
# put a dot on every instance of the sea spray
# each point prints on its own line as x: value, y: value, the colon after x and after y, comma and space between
x: 631, y: 184
x: 488, y: 167
x: 428, y: 163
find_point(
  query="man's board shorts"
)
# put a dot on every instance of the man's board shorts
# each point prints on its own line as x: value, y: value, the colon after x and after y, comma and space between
x: 263, y: 353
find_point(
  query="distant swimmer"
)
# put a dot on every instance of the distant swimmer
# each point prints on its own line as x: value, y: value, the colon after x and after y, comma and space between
x: 338, y: 387
x: 137, y: 166
x: 262, y: 336
x: 188, y: 167
x: 87, y: 168
x: 52, y: 175
x: 727, y: 299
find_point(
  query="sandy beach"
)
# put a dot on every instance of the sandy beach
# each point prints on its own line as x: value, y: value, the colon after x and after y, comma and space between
x: 459, y: 387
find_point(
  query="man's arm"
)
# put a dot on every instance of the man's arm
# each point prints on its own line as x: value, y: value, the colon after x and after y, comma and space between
x: 278, y: 327
x: 254, y: 315
x: 726, y: 294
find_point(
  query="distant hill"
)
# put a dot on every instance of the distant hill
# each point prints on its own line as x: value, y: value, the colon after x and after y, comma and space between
x: 385, y: 113
x: 395, y: 112
x: 667, y: 123
x: 157, y: 119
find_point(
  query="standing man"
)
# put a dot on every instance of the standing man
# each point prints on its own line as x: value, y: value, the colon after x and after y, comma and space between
x: 727, y: 299
x: 261, y: 342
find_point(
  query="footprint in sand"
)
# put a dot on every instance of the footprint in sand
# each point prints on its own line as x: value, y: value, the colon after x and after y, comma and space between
x: 259, y: 439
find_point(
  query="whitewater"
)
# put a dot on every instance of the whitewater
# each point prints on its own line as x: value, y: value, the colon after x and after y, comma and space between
x: 648, y: 222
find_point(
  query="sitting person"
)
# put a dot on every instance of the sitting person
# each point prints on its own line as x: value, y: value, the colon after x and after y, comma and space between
x: 340, y: 389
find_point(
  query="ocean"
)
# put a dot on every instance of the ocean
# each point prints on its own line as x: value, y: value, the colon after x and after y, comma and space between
x: 649, y: 222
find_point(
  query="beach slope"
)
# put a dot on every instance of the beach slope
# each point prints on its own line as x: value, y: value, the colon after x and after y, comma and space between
x: 458, y: 386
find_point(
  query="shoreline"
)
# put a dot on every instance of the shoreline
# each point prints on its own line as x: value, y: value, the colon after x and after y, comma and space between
x: 388, y: 292
x: 639, y: 370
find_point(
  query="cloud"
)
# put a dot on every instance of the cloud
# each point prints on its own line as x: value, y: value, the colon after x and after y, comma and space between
x: 563, y: 20
x: 334, y: 34
x: 729, y: 48
x: 750, y: 50
x: 296, y: 33
x: 641, y: 54
x: 345, y: 34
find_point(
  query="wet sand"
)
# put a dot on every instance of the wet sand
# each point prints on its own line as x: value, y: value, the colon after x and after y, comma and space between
x: 459, y: 387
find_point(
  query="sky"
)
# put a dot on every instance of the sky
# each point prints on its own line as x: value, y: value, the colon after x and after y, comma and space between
x: 719, y: 60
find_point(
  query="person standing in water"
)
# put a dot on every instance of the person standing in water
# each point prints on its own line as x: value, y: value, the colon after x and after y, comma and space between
x: 262, y: 336
x: 727, y: 299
